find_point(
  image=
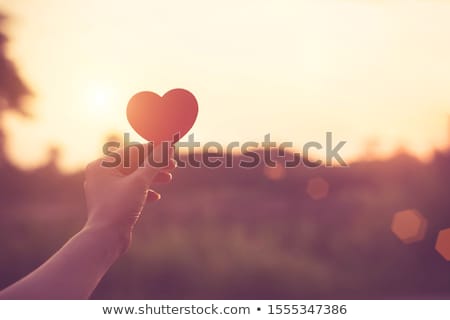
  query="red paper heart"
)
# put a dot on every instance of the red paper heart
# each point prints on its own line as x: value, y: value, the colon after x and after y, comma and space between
x: 166, y: 118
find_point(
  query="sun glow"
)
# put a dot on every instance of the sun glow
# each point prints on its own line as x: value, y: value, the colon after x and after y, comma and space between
x: 364, y: 70
x: 99, y: 99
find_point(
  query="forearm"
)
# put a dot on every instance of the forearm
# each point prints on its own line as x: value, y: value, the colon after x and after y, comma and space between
x: 75, y: 270
x: 114, y: 203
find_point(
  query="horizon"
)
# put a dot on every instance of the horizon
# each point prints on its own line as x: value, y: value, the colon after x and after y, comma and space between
x: 300, y: 69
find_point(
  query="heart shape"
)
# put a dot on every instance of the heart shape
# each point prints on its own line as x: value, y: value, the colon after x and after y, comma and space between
x: 166, y: 118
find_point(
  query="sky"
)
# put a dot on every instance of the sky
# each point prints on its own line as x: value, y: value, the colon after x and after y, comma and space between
x: 372, y: 72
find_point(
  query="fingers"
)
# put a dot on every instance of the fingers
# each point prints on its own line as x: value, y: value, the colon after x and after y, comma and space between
x: 93, y: 167
x: 128, y: 160
x: 172, y: 165
x: 152, y: 196
x: 158, y: 159
x: 163, y: 177
x: 159, y: 156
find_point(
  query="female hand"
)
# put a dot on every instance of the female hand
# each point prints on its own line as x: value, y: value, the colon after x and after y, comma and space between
x: 115, y: 200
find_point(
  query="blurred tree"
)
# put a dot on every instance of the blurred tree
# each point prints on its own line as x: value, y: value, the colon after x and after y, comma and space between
x: 12, y: 87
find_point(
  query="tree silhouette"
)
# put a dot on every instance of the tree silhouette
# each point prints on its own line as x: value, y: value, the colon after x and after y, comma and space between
x: 12, y: 87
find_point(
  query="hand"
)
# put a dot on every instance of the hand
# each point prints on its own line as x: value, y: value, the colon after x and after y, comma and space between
x: 114, y: 200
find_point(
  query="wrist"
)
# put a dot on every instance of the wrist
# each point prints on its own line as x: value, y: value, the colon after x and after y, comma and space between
x: 115, y: 239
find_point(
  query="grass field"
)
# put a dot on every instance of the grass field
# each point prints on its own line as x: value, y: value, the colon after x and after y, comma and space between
x: 245, y: 234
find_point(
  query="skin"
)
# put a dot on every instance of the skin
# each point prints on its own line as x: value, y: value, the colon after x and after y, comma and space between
x: 114, y: 204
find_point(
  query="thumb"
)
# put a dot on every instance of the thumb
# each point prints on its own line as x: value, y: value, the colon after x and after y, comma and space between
x: 156, y: 158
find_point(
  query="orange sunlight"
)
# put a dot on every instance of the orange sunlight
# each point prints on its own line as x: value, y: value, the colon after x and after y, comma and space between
x: 369, y: 71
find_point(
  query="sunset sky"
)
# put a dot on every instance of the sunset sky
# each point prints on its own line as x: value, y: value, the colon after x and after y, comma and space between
x: 367, y: 70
